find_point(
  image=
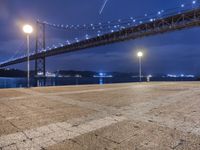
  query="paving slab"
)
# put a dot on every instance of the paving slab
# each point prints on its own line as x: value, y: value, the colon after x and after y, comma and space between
x: 184, y: 109
x: 11, y: 93
x: 79, y: 88
x: 126, y: 96
x: 22, y: 114
x: 151, y: 136
x: 67, y: 145
x: 92, y: 141
x: 120, y: 132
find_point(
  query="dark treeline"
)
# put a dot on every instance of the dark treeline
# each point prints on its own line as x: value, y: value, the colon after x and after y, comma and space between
x: 12, y: 73
x: 91, y: 73
x: 73, y: 73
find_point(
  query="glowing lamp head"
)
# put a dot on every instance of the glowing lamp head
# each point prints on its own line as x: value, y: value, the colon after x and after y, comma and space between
x: 139, y: 54
x: 28, y: 29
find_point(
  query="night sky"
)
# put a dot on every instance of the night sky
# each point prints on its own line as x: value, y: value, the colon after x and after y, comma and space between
x: 174, y: 53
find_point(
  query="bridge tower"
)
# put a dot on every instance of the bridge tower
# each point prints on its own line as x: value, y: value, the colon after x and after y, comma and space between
x: 40, y: 62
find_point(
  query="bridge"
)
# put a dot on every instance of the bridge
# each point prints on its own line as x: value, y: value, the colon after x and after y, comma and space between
x: 125, y: 30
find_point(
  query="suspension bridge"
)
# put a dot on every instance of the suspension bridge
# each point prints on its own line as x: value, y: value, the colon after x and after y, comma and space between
x: 109, y: 32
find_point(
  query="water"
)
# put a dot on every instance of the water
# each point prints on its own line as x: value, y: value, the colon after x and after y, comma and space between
x: 22, y: 82
x: 12, y: 82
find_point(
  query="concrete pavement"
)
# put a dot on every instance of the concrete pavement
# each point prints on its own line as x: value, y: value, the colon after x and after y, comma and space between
x: 134, y: 116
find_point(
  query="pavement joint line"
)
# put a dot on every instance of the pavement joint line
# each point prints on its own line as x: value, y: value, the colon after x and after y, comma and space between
x: 88, y: 105
x: 103, y: 89
x: 36, y: 139
x: 32, y: 93
x: 13, y: 98
x: 89, y: 91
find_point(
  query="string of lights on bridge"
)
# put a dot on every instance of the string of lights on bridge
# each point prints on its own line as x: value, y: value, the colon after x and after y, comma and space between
x: 121, y: 23
x: 93, y: 30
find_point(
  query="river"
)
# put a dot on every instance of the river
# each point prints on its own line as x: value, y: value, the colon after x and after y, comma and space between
x: 22, y: 82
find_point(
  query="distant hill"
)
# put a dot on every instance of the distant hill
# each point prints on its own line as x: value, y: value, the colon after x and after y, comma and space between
x: 12, y: 73
x: 73, y: 73
x: 63, y: 73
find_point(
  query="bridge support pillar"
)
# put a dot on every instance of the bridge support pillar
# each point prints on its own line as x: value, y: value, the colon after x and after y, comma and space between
x: 40, y: 63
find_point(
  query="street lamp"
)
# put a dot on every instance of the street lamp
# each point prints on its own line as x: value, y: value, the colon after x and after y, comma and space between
x: 28, y: 29
x: 140, y: 54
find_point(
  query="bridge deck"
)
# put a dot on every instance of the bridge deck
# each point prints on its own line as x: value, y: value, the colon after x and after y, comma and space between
x: 118, y: 116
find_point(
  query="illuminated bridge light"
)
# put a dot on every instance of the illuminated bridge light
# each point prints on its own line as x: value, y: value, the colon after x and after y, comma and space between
x: 77, y: 40
x: 101, y: 74
x: 61, y: 45
x: 193, y: 2
x: 87, y: 36
x: 68, y: 41
x: 159, y: 13
x: 54, y: 46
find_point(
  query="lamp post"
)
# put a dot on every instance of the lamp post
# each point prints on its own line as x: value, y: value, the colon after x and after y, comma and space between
x: 140, y: 54
x: 28, y: 29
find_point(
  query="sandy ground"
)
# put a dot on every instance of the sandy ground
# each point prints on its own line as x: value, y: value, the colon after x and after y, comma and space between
x: 134, y: 116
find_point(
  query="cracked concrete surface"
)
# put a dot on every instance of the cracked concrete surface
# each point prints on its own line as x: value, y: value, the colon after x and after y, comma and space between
x: 134, y: 116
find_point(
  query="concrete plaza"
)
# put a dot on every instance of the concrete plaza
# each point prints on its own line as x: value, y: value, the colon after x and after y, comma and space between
x: 133, y: 116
